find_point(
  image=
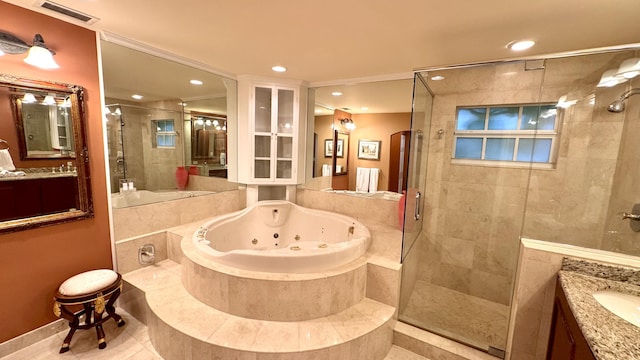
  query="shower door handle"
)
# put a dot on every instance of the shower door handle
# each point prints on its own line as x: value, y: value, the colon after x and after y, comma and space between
x: 416, y: 210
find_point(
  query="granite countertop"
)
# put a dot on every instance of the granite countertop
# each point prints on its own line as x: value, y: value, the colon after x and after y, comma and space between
x: 29, y: 175
x: 609, y: 336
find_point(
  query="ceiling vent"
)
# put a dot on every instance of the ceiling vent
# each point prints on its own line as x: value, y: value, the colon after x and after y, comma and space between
x: 60, y: 9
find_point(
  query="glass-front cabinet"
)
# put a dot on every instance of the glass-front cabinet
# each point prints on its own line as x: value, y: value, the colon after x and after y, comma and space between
x: 274, y: 126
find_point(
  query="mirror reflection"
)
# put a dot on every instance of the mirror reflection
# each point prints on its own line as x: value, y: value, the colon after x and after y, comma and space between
x: 209, y: 143
x: 45, y: 123
x: 342, y: 153
x: 166, y: 127
x: 41, y: 133
x: 373, y: 114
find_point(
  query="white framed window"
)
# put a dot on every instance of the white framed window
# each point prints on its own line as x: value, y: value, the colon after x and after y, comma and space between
x: 165, y: 134
x: 506, y: 135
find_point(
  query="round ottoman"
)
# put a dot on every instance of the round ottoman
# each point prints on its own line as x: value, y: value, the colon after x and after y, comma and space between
x: 85, y: 297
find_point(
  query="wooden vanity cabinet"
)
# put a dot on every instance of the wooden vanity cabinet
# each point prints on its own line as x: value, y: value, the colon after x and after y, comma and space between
x: 566, y: 341
x: 26, y: 198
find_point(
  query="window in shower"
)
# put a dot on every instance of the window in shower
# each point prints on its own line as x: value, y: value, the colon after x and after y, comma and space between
x: 165, y: 134
x: 506, y: 135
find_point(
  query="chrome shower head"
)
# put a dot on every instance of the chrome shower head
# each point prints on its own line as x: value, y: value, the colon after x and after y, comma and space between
x: 618, y: 105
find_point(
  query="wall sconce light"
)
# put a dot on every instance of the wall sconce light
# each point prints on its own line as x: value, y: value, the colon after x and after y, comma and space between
x: 348, y: 123
x: 38, y: 54
x: 28, y: 98
x: 49, y: 100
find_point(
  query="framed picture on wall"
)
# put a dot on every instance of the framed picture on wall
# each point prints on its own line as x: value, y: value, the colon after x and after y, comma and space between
x: 328, y: 148
x: 369, y: 149
x: 340, y: 148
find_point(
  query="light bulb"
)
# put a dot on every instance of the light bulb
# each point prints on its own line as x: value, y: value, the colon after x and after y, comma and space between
x: 40, y: 57
x: 28, y: 98
x: 49, y: 100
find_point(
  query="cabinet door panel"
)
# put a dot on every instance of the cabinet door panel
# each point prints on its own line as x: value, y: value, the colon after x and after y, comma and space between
x: 263, y: 110
x: 562, y: 345
x: 285, y: 111
x: 284, y: 170
x: 59, y: 194
x: 262, y: 146
x: 262, y: 169
x: 285, y: 147
x: 566, y: 341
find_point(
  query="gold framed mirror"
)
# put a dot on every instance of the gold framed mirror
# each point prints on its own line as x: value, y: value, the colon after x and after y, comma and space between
x: 44, y: 178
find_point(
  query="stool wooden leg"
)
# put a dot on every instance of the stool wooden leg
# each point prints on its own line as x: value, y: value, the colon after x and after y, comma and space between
x: 74, y: 323
x: 67, y: 340
x: 111, y: 310
x: 99, y: 331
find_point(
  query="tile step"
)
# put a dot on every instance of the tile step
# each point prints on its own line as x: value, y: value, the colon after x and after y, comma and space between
x: 182, y: 327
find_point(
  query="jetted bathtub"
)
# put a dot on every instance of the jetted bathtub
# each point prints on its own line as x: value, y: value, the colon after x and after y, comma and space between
x: 279, y: 236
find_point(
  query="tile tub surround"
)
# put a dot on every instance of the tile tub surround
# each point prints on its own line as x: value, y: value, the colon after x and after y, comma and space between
x: 609, y: 336
x: 139, y: 220
x: 380, y: 211
x: 181, y: 327
x: 271, y: 296
x: 323, y: 310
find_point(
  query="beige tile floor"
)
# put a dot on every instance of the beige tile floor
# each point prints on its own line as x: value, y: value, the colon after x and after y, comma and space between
x: 123, y: 343
x: 130, y: 342
x: 452, y: 314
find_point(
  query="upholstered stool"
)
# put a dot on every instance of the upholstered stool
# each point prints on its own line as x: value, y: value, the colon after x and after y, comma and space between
x: 89, y: 294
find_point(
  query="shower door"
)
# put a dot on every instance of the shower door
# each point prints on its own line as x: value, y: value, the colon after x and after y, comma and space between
x: 414, y: 195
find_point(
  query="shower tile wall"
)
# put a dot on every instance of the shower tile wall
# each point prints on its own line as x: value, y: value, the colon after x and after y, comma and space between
x: 569, y: 204
x: 618, y: 235
x: 475, y: 214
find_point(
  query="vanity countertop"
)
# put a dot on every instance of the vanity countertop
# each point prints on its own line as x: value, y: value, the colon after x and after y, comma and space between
x: 39, y: 175
x: 610, y: 337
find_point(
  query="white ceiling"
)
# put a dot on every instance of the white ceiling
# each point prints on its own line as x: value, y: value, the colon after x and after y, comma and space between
x: 127, y: 72
x: 328, y: 40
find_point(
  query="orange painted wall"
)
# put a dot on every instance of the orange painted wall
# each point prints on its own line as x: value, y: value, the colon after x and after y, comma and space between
x: 375, y: 127
x: 33, y: 263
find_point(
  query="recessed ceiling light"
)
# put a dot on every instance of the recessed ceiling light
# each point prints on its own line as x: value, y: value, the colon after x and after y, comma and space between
x: 279, y: 68
x: 336, y: 93
x: 364, y: 108
x: 520, y: 45
x: 196, y: 82
x: 318, y: 111
x: 437, y: 78
x: 136, y: 96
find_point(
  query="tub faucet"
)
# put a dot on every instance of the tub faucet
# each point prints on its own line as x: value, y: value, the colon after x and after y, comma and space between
x: 147, y: 254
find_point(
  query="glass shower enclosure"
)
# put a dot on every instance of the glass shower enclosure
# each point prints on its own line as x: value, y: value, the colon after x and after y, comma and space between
x: 145, y: 146
x: 510, y: 150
